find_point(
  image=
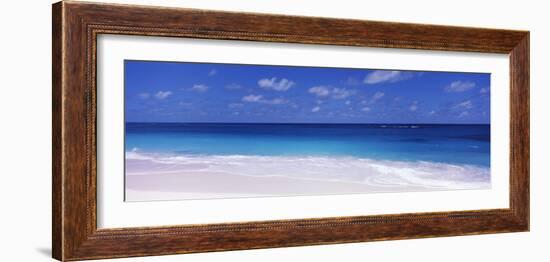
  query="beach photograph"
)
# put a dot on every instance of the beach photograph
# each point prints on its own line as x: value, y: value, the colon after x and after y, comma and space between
x: 214, y: 131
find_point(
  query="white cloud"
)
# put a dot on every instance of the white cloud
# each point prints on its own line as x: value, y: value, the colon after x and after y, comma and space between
x: 321, y: 91
x: 352, y: 81
x: 414, y: 106
x: 342, y: 93
x: 383, y: 76
x: 275, y: 101
x: 261, y: 99
x: 336, y: 93
x: 377, y: 96
x: 348, y: 102
x: 235, y: 105
x: 252, y: 98
x: 233, y: 86
x: 200, y: 88
x: 365, y: 109
x: 460, y: 86
x: 432, y: 113
x: 144, y: 95
x: 213, y: 72
x: 484, y: 90
x: 281, y: 85
x: 463, y: 114
x: 466, y: 104
x: 163, y: 94
x: 315, y: 109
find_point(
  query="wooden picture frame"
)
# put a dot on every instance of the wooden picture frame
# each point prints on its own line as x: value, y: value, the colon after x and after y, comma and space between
x: 76, y: 26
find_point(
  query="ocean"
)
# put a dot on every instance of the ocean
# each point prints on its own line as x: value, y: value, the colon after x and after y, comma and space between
x: 368, y: 158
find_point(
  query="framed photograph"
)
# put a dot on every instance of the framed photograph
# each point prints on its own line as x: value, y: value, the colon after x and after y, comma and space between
x: 181, y: 130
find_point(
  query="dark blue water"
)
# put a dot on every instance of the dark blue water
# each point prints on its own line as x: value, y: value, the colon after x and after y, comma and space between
x: 456, y: 144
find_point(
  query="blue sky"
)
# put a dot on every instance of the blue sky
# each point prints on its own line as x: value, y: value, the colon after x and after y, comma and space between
x: 208, y: 92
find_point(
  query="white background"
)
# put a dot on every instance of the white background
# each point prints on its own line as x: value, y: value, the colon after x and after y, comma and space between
x: 25, y: 191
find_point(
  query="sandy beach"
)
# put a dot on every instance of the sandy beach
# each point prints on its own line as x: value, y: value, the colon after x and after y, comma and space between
x: 163, y: 177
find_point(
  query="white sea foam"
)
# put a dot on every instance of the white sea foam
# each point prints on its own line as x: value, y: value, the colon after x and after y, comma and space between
x: 380, y: 174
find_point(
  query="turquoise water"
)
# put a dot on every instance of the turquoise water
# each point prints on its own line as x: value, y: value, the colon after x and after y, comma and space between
x: 453, y: 144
